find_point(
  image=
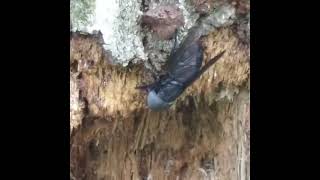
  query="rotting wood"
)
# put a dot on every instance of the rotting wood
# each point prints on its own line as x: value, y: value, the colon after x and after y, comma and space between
x: 131, y: 142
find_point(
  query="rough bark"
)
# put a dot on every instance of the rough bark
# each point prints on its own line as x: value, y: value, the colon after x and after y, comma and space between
x: 205, y: 135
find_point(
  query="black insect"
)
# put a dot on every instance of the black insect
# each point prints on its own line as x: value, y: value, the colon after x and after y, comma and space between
x: 184, y: 67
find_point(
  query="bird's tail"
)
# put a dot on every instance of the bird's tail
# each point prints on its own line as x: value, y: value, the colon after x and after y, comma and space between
x: 211, y: 62
x: 206, y: 66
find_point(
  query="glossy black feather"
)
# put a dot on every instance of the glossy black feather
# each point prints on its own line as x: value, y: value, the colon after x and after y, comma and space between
x: 183, y: 68
x: 185, y: 62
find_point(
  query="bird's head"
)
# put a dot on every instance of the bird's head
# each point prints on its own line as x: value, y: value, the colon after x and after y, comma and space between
x: 155, y: 103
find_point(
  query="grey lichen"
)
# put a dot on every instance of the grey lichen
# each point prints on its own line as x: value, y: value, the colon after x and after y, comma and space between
x: 190, y: 16
x: 126, y: 42
x: 221, y: 17
x: 81, y: 14
x: 119, y: 22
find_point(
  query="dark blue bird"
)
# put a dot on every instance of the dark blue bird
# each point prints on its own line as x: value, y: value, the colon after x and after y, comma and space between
x: 184, y: 67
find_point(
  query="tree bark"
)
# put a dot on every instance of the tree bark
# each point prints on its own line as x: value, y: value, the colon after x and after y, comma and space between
x: 205, y: 135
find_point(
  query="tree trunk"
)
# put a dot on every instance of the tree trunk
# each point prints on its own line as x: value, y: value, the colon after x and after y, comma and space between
x: 204, y: 135
x: 114, y: 136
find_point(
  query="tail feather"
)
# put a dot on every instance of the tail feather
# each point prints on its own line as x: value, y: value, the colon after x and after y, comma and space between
x: 211, y: 62
x: 206, y: 66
